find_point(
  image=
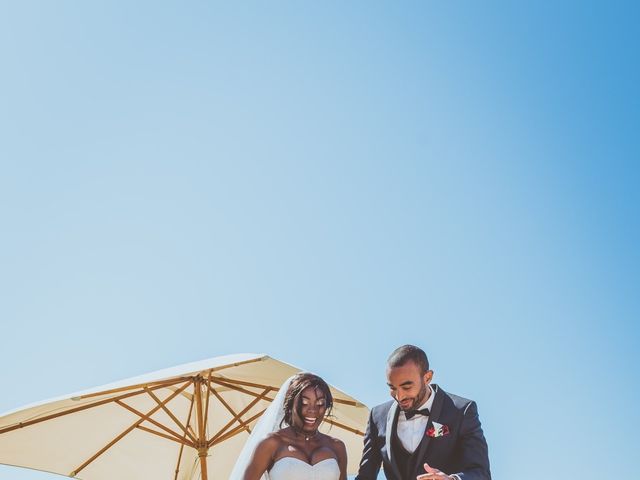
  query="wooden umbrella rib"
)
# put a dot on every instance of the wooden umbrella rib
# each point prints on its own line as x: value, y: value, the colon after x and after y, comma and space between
x: 170, y: 413
x: 186, y: 395
x: 202, y: 443
x: 246, y: 384
x: 102, y: 450
x: 239, y: 415
x: 344, y: 427
x: 182, y: 446
x: 164, y: 435
x: 206, y: 405
x: 235, y: 431
x: 176, y: 435
x: 80, y: 408
x: 342, y: 401
x: 125, y: 432
x: 228, y: 407
x: 199, y: 417
x: 237, y: 388
x: 237, y: 364
x: 173, y: 381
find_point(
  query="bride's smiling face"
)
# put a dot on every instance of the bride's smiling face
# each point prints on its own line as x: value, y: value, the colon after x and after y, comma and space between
x: 311, y: 409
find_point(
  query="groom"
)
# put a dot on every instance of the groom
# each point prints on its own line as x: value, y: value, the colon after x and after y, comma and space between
x: 424, y: 433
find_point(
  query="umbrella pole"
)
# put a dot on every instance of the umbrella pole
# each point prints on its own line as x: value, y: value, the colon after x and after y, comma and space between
x: 202, y: 453
x: 203, y: 447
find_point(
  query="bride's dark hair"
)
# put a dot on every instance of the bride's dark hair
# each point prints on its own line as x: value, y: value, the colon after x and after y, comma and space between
x: 293, y: 398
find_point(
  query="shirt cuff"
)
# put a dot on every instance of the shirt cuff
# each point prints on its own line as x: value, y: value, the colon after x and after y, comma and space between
x: 455, y: 476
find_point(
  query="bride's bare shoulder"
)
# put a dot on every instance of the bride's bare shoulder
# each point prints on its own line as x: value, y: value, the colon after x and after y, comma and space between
x: 335, y: 442
x: 269, y: 444
x: 338, y: 446
x: 275, y: 439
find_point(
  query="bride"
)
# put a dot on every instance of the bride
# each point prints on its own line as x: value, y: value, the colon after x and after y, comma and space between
x: 286, y: 444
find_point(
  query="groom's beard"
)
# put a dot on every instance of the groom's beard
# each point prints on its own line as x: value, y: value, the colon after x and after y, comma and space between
x: 418, y: 400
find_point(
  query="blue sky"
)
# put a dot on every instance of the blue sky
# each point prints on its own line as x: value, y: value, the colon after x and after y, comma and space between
x: 323, y: 182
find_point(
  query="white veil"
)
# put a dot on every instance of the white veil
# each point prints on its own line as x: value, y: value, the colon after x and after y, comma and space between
x: 269, y: 422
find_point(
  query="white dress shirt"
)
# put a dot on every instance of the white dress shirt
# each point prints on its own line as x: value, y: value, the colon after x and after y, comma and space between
x: 410, y: 432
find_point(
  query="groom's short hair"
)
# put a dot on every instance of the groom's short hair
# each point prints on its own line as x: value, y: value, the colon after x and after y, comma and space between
x: 408, y: 353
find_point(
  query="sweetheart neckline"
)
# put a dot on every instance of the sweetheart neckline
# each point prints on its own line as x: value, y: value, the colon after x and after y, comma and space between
x: 305, y: 462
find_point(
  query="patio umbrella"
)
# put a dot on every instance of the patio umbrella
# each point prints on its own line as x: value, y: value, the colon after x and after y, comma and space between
x: 185, y: 422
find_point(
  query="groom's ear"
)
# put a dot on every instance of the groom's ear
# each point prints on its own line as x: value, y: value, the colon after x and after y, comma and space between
x: 428, y: 376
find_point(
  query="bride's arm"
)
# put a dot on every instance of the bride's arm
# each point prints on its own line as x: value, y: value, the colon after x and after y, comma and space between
x: 341, y: 451
x: 261, y: 459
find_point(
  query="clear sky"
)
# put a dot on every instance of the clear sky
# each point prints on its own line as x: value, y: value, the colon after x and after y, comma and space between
x: 325, y: 181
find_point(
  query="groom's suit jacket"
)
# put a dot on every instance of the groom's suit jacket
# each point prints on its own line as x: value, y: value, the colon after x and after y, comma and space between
x: 461, y: 451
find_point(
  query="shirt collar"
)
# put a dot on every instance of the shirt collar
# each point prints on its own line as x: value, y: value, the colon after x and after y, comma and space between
x: 429, y: 401
x: 427, y: 404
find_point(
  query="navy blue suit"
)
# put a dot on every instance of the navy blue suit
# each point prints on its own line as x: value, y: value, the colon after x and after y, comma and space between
x: 463, y: 450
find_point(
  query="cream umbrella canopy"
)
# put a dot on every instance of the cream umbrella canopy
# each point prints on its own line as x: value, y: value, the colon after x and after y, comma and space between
x: 186, y: 422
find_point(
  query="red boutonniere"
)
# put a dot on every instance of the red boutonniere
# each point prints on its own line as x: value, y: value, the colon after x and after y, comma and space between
x: 438, y: 430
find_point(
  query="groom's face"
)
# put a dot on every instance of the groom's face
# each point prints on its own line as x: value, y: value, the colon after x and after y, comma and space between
x: 408, y: 385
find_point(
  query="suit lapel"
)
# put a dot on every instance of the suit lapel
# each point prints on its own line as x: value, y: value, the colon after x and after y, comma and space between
x: 392, y: 422
x: 436, y: 408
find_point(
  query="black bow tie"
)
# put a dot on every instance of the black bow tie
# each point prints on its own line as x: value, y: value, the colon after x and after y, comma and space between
x: 412, y: 413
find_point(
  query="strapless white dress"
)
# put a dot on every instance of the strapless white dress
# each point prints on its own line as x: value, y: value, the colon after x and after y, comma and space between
x: 290, y: 468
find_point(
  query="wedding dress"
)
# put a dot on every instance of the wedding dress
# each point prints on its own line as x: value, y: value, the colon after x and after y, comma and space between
x: 291, y: 468
x: 286, y: 468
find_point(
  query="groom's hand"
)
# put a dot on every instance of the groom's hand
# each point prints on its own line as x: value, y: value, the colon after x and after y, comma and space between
x: 433, y: 474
